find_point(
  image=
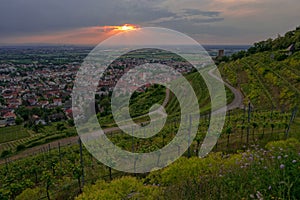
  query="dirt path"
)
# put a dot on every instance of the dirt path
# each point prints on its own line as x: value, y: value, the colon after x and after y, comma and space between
x: 238, y: 97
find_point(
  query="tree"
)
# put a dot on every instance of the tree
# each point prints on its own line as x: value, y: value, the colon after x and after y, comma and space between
x: 71, y: 122
x: 19, y: 121
x: 37, y: 127
x: 60, y: 127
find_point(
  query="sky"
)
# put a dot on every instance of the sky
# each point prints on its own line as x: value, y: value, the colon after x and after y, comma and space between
x: 92, y: 21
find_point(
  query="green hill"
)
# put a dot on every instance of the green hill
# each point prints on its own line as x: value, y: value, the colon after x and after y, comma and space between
x: 268, y: 73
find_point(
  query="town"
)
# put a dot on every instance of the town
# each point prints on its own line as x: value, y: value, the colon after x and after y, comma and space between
x: 42, y: 84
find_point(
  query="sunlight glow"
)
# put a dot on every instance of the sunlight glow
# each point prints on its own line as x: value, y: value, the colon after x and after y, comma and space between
x: 126, y: 27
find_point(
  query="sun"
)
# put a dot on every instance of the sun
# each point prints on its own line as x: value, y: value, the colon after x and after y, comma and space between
x: 127, y: 27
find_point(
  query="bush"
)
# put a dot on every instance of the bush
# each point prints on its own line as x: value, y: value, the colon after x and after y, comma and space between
x: 30, y: 194
x: 281, y: 56
x: 20, y: 147
x: 123, y: 188
x: 5, y: 153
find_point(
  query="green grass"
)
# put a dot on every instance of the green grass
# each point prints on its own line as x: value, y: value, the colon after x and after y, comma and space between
x: 13, y: 133
x: 141, y: 103
x: 18, y: 135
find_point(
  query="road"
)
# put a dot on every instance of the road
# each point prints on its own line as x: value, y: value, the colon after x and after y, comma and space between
x: 238, y: 97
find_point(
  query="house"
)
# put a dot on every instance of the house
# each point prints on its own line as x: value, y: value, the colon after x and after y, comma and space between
x: 32, y: 101
x: 57, y: 102
x: 10, y: 118
x: 43, y: 103
x: 14, y: 102
x: 57, y: 117
x: 69, y: 113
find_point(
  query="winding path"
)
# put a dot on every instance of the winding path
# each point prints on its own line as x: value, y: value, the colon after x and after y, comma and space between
x: 238, y: 97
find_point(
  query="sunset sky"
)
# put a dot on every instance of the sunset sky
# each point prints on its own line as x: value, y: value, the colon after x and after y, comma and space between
x: 91, y: 21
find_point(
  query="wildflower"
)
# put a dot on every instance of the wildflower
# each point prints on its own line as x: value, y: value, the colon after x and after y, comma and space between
x: 251, y: 196
x: 294, y: 161
x: 270, y: 187
x: 282, y: 166
x: 259, y: 195
x: 278, y: 157
x: 286, y: 156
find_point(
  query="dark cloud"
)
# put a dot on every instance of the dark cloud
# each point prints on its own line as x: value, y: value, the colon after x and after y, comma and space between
x: 33, y: 17
x: 191, y: 21
x: 191, y: 28
x: 19, y: 17
x: 207, y: 20
x: 201, y: 13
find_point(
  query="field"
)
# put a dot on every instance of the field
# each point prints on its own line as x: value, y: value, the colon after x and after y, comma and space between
x: 17, y: 138
x: 13, y: 133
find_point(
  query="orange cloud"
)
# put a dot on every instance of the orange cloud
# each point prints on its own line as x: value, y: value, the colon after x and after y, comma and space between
x: 88, y: 35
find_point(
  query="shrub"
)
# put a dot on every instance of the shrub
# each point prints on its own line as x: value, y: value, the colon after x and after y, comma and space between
x: 5, y: 153
x: 30, y: 194
x: 20, y: 147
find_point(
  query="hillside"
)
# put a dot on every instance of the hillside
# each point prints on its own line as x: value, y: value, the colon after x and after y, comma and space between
x: 268, y: 73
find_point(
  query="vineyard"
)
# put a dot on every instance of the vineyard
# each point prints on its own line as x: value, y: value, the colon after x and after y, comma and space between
x: 13, y: 133
x: 60, y: 172
x: 17, y: 138
x: 266, y: 83
x: 257, y: 155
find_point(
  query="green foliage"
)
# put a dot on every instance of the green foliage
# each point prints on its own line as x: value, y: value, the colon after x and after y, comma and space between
x: 20, y: 147
x: 30, y: 194
x: 19, y: 121
x: 280, y: 43
x: 291, y: 144
x: 266, y: 82
x: 123, y: 188
x: 5, y: 153
x: 13, y: 133
x: 140, y: 103
x: 268, y: 174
